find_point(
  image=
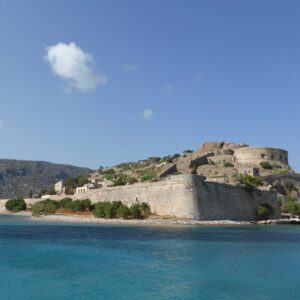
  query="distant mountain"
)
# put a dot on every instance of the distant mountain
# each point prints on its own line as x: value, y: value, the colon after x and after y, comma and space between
x: 20, y: 178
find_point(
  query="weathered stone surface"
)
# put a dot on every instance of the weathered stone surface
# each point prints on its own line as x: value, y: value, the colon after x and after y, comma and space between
x: 187, y: 196
x: 166, y: 170
x: 254, y: 156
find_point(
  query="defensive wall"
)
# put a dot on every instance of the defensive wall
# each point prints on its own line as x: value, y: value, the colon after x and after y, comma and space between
x: 186, y: 196
x: 250, y: 155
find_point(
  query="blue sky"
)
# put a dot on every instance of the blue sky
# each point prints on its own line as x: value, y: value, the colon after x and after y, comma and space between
x: 96, y: 83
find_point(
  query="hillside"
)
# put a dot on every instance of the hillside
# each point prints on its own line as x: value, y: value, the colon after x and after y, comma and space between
x: 20, y: 178
x: 222, y: 162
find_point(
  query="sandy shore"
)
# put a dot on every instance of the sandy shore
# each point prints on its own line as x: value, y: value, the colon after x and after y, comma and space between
x: 157, y: 221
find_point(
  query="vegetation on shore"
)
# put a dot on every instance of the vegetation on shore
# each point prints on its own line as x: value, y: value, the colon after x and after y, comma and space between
x: 291, y: 206
x: 16, y: 205
x: 115, y: 209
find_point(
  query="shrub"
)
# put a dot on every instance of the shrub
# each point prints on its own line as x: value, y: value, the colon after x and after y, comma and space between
x: 291, y: 206
x: 38, y: 208
x: 79, y: 205
x: 145, y: 208
x: 266, y: 165
x: 87, y: 204
x: 135, y: 210
x: 250, y: 181
x: 264, y: 211
x: 15, y: 205
x: 46, y: 207
x: 117, y: 209
x: 228, y: 165
x: 123, y: 212
x: 63, y: 203
x: 100, y: 210
x: 81, y: 180
x: 148, y: 175
x: 76, y: 205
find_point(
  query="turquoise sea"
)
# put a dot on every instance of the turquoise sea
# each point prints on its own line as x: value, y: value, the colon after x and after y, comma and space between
x: 69, y: 261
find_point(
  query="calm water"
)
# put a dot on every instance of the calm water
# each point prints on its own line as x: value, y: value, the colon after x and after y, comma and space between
x: 57, y: 261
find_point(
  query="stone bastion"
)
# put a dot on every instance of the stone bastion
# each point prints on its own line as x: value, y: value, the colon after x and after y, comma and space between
x: 186, y: 196
x: 254, y: 156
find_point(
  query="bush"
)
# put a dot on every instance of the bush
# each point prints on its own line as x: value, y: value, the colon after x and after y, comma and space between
x: 228, y: 165
x: 46, y: 207
x: 264, y: 211
x: 135, y: 211
x: 266, y: 165
x: 145, y: 208
x: 78, y: 205
x: 250, y: 181
x: 63, y: 203
x: 15, y: 205
x: 291, y: 206
x: 99, y: 210
x: 148, y: 175
x: 123, y: 212
x: 117, y: 209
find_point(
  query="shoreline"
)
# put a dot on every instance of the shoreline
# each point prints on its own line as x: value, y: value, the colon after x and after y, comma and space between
x: 93, y: 220
x: 65, y: 218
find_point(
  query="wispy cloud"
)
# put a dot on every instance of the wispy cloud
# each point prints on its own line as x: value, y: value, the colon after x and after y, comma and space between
x: 130, y: 67
x: 147, y: 114
x: 71, y: 63
x: 169, y: 88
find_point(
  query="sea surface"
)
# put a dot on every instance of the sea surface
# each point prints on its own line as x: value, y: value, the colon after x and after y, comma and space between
x: 70, y: 261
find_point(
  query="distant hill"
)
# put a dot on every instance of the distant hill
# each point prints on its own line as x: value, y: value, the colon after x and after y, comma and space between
x: 20, y: 178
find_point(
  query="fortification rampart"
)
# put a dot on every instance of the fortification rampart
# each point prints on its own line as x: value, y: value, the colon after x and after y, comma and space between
x: 188, y: 196
x: 249, y: 155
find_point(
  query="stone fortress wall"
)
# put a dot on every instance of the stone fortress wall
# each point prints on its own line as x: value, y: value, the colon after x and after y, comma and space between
x: 186, y: 196
x: 256, y: 155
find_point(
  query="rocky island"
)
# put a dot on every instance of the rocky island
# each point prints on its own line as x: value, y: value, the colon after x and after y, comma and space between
x: 219, y: 181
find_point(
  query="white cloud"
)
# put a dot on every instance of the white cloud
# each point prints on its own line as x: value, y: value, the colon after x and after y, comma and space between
x: 72, y: 64
x: 147, y: 114
x: 170, y: 88
x: 130, y: 67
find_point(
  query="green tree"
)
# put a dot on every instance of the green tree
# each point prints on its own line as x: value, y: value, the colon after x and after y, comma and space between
x: 16, y: 205
x: 291, y: 206
x: 123, y: 211
x: 64, y: 202
x: 250, y: 181
x: 46, y: 207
